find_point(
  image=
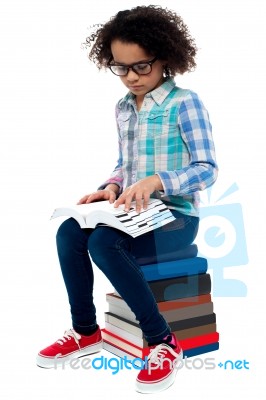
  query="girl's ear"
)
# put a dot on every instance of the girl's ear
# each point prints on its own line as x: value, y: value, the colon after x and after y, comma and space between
x: 166, y: 70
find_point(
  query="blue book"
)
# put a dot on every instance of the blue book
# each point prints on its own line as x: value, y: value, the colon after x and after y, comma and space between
x: 190, y: 251
x: 200, y: 350
x: 174, y: 269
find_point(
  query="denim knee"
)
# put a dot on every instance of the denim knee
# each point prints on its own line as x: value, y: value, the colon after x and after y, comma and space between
x: 68, y: 233
x: 104, y: 243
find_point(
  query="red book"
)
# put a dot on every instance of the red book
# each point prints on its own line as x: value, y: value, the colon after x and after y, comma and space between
x: 124, y: 345
x: 197, y: 341
x: 141, y: 352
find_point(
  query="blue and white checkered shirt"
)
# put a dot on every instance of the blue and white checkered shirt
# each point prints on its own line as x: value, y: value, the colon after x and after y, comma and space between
x: 170, y: 136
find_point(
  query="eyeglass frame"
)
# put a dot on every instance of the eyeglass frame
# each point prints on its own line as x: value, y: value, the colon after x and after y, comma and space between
x: 131, y: 66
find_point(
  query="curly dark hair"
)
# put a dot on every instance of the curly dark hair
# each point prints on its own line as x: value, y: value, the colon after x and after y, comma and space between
x: 160, y: 32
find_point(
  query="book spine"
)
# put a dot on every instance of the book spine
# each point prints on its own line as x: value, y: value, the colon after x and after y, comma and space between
x: 198, y: 341
x: 186, y: 344
x: 175, y: 326
x: 174, y: 269
x: 189, y: 286
x: 111, y: 298
x: 121, y: 312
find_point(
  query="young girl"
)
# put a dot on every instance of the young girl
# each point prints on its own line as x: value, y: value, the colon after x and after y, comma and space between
x: 165, y: 151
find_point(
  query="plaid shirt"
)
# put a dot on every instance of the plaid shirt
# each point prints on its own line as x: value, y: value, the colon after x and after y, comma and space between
x: 170, y: 136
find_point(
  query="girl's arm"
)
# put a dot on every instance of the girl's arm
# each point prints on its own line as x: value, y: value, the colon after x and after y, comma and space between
x: 195, y: 128
x: 116, y: 178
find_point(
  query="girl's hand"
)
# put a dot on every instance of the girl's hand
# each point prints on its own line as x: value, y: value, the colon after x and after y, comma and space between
x: 105, y: 194
x: 140, y: 192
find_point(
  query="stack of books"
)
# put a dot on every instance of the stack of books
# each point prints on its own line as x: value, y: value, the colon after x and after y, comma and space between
x: 182, y: 288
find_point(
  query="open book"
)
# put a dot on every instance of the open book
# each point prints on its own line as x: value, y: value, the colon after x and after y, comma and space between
x: 90, y: 215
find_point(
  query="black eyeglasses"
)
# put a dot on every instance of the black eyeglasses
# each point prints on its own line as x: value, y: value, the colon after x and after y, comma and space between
x: 142, y: 68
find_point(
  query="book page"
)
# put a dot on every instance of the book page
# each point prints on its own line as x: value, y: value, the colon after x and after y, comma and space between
x: 81, y: 211
x: 103, y: 213
x: 155, y: 216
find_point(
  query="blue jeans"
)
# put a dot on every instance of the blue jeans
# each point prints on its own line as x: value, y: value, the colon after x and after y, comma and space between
x: 115, y: 254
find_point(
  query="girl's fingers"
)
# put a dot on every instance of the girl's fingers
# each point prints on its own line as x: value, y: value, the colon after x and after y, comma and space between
x: 100, y: 195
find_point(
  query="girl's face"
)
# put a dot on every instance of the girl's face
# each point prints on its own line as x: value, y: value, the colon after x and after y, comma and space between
x: 131, y: 53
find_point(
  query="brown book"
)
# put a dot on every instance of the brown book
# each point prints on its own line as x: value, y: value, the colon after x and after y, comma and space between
x: 197, y: 331
x: 133, y: 327
x: 113, y: 298
x: 170, y: 315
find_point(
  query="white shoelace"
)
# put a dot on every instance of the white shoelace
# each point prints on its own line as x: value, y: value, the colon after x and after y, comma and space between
x: 159, y: 352
x: 68, y: 335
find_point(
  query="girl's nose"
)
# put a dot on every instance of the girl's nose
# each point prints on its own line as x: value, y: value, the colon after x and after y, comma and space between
x: 132, y: 76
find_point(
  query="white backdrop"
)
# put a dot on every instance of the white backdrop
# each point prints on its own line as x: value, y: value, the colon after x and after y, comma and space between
x: 56, y: 146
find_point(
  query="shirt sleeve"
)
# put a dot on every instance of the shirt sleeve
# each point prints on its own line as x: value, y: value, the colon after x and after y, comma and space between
x: 196, y: 131
x: 116, y: 176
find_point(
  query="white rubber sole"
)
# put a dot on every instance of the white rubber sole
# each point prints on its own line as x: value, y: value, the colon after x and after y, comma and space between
x: 154, y: 387
x: 61, y: 361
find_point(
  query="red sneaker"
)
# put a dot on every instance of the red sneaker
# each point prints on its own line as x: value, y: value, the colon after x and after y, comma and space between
x: 71, y: 345
x: 161, y: 369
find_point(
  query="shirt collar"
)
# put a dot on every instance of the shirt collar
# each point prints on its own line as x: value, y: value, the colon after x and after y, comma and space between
x: 158, y: 95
